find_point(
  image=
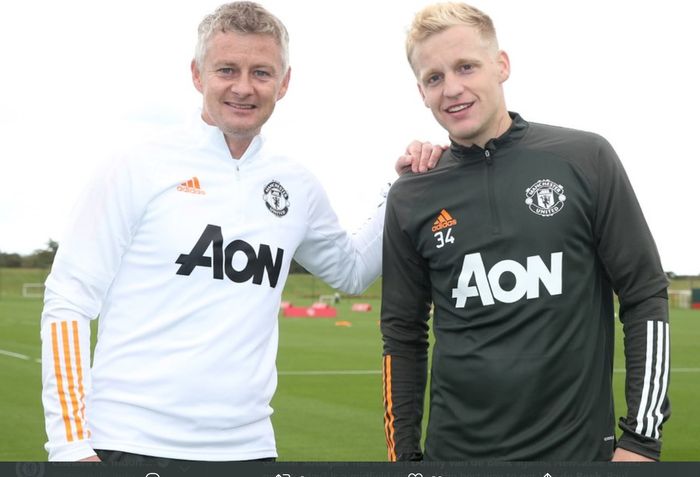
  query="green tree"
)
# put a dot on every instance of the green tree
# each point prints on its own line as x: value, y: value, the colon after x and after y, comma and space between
x: 10, y: 260
x: 41, y: 258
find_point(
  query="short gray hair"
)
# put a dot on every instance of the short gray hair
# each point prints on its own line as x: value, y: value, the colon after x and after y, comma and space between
x: 242, y: 17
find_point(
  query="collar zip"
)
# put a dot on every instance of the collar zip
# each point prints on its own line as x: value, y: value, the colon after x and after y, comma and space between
x: 516, y: 131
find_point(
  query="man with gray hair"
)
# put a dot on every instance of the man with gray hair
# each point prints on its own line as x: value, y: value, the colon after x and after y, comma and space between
x: 182, y: 247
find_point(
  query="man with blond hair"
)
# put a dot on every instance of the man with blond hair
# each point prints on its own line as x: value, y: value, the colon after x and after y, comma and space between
x: 519, y: 239
x: 182, y: 247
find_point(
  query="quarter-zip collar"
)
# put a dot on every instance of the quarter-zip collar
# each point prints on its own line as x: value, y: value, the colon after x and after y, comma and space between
x: 515, y: 132
x: 213, y: 137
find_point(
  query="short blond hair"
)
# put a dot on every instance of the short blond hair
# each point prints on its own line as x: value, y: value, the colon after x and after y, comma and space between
x: 441, y: 16
x: 241, y: 17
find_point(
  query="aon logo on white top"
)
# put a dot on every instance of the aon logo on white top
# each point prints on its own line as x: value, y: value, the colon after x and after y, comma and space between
x: 527, y: 279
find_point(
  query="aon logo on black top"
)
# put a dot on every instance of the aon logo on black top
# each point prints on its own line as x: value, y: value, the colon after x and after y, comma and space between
x: 257, y: 263
x: 527, y: 279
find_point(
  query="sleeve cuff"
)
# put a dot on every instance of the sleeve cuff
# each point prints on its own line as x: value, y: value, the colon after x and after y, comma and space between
x: 70, y: 452
x: 641, y: 445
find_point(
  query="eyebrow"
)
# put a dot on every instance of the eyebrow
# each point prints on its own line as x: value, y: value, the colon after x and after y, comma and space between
x: 456, y: 63
x: 232, y: 64
x: 471, y: 61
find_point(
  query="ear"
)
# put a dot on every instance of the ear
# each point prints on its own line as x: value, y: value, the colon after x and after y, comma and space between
x: 503, y: 66
x: 422, y: 95
x: 285, y: 84
x: 196, y: 76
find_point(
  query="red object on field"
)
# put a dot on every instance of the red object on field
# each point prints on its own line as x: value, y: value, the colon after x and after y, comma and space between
x: 285, y: 304
x: 309, y: 312
x: 363, y: 307
x: 320, y: 305
x: 696, y: 306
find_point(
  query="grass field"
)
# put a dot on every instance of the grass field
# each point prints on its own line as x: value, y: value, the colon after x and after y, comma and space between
x: 328, y: 405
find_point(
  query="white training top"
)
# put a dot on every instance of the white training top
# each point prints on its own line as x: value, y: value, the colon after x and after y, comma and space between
x: 183, y: 252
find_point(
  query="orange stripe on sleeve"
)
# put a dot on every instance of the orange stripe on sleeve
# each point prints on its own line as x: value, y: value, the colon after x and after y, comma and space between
x: 59, y: 381
x: 386, y: 420
x: 79, y: 368
x: 71, y: 380
x: 389, y: 407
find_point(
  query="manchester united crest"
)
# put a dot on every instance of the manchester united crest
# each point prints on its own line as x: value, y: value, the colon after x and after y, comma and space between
x: 545, y: 197
x: 276, y: 199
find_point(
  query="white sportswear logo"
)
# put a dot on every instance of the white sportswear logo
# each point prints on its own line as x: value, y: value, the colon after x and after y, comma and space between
x: 545, y: 197
x: 488, y: 287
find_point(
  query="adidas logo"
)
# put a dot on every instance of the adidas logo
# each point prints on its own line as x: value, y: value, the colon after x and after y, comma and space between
x: 192, y: 186
x: 443, y: 221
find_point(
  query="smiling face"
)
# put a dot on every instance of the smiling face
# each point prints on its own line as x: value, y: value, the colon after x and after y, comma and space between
x: 460, y: 77
x: 241, y: 78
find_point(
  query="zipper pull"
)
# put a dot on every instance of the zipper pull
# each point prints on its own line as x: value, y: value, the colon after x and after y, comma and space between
x: 487, y: 154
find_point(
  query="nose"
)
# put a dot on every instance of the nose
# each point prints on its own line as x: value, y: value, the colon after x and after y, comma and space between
x: 242, y: 85
x: 453, y: 87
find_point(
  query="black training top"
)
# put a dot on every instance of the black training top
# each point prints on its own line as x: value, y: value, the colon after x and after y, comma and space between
x: 520, y: 247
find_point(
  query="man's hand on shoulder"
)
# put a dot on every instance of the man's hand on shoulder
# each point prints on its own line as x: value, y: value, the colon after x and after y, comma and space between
x: 419, y: 157
x: 623, y: 455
